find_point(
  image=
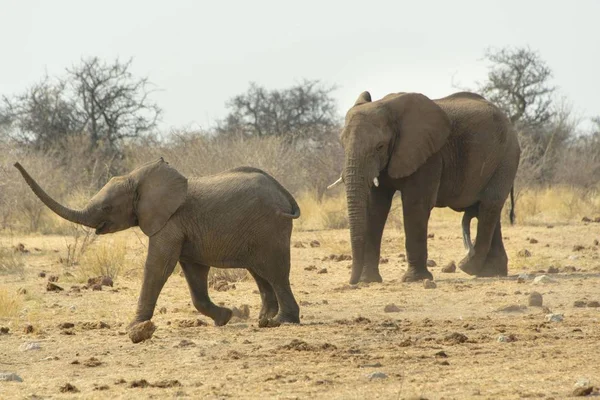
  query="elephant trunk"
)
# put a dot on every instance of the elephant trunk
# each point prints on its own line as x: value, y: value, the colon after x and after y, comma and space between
x: 356, y: 195
x: 76, y: 216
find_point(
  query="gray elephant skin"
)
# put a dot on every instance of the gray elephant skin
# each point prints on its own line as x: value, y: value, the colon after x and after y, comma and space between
x: 240, y: 218
x: 460, y: 151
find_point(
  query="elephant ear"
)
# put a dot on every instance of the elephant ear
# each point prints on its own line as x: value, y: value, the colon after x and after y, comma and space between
x: 422, y: 128
x: 161, y: 190
x: 364, y: 97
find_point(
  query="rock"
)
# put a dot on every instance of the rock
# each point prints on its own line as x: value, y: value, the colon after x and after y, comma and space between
x: 142, y: 331
x: 299, y: 245
x: 533, y: 241
x: 4, y: 330
x: 449, y: 268
x: 569, y: 268
x: 593, y: 304
x: 27, y: 346
x: 92, y: 362
x: 441, y: 354
x: 554, y: 317
x: 310, y: 268
x: 51, y: 287
x: 583, y: 391
x: 42, y: 274
x: 535, y: 299
x: 322, y: 271
x: 455, y: 338
x: 383, y: 260
x: 53, y: 278
x: 586, y: 219
x: 27, y: 329
x: 10, y: 377
x: 579, y: 303
x: 97, y: 287
x: 430, y: 235
x: 542, y: 279
x: 95, y: 325
x: 524, y: 253
x: 429, y: 284
x: 68, y: 388
x: 507, y: 338
x: 578, y: 247
x: 391, y: 308
x: 315, y: 243
x: 431, y: 264
x: 596, y: 242
x: 553, y: 270
x: 185, y: 343
x: 162, y: 310
x: 377, y: 375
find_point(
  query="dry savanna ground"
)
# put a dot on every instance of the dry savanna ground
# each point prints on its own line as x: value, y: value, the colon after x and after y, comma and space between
x: 465, y: 338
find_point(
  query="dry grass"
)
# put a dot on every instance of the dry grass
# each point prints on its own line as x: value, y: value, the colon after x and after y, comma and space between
x: 555, y: 204
x: 10, y: 304
x: 106, y: 258
x: 329, y: 213
x: 11, y: 262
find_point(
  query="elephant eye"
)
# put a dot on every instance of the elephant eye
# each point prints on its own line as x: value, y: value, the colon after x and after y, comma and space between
x: 380, y: 146
x: 106, y: 208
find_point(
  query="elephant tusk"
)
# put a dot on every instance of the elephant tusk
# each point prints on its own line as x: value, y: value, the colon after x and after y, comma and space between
x: 376, y: 182
x: 334, y: 184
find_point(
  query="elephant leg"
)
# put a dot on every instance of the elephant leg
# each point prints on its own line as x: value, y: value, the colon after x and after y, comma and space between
x: 489, y: 216
x: 270, y: 307
x: 275, y: 270
x: 416, y: 219
x: 379, y: 203
x: 496, y: 262
x: 196, y: 276
x: 162, y: 257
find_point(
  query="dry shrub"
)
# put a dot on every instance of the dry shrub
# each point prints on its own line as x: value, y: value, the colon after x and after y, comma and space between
x: 558, y: 203
x: 11, y: 262
x: 105, y: 258
x: 10, y: 304
x: 329, y: 213
x: 77, y: 245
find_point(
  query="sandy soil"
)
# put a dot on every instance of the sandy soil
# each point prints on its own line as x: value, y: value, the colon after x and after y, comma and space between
x: 453, y: 341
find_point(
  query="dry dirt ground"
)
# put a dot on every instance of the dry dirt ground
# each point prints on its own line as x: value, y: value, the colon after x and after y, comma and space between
x: 466, y: 338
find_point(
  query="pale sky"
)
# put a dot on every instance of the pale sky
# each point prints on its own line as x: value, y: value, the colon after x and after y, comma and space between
x: 201, y: 53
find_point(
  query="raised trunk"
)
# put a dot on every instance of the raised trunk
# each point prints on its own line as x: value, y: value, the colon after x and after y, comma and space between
x: 76, y: 216
x: 356, y: 195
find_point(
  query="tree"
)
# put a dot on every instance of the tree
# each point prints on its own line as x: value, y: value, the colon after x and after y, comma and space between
x: 304, y: 110
x: 101, y: 100
x: 518, y: 82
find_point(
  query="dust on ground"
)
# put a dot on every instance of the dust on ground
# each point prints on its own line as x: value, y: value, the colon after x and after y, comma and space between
x: 465, y: 338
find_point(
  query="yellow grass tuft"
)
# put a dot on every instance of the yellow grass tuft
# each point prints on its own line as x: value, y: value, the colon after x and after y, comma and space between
x: 106, y: 258
x: 11, y: 262
x: 10, y: 304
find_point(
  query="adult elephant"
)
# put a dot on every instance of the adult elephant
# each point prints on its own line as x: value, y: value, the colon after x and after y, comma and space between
x: 459, y: 152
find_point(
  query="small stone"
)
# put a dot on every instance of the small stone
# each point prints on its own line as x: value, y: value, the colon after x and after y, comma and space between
x: 593, y: 304
x: 449, y: 268
x: 507, y: 338
x: 542, y: 279
x: 535, y: 299
x: 10, y: 377
x: 185, y: 343
x: 299, y: 245
x: 92, y: 362
x: 431, y: 263
x: 22, y: 291
x: 68, y: 388
x: 243, y: 312
x: 553, y: 270
x: 27, y: 346
x: 383, y: 260
x: 142, y: 331
x: 554, y: 317
x: 96, y: 287
x: 513, y: 308
x: 391, y: 308
x: 315, y: 243
x: 51, y: 287
x: 28, y: 329
x: 162, y: 310
x: 66, y: 325
x: 569, y: 268
x: 533, y: 241
x: 579, y: 303
x: 322, y: 271
x: 441, y: 354
x: 310, y: 268
x: 583, y: 391
x: 455, y: 338
x: 377, y: 375
x: 578, y: 247
x: 596, y: 242
x: 586, y: 219
x: 430, y: 235
x: 429, y: 284
x: 4, y: 330
x: 42, y: 274
x: 524, y: 253
x: 53, y: 278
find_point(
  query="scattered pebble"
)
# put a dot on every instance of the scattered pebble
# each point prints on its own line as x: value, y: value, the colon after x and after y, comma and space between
x: 554, y: 317
x: 185, y: 343
x: 455, y: 338
x: 449, y: 268
x: 535, y: 299
x: 299, y: 245
x: 579, y: 303
x: 524, y: 253
x: 583, y: 391
x: 315, y: 243
x: 429, y: 284
x: 68, y: 388
x: 162, y: 310
x: 10, y: 377
x: 27, y: 329
x: 593, y: 304
x: 322, y: 271
x: 391, y: 308
x: 542, y: 279
x: 431, y: 263
x: 52, y: 287
x: 377, y: 375
x: 578, y: 247
x: 66, y: 325
x: 513, y: 308
x: 142, y: 331
x: 507, y: 338
x: 30, y: 346
x: 42, y: 274
x: 553, y: 270
x: 311, y: 267
x: 4, y: 330
x: 533, y: 241
x: 53, y: 278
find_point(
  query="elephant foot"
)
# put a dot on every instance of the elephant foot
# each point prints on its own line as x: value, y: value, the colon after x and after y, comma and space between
x: 268, y: 312
x: 495, y: 265
x: 278, y: 320
x: 222, y: 316
x: 135, y: 322
x: 370, y: 276
x: 470, y: 265
x: 415, y: 275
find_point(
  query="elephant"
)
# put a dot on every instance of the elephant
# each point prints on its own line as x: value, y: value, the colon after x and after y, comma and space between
x: 460, y: 151
x: 239, y: 218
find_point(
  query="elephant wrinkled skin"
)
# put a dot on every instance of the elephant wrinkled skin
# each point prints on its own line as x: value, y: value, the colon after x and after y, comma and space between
x: 460, y: 152
x: 240, y: 218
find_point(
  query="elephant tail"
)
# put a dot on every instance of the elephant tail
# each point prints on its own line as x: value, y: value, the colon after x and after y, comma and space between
x: 511, y: 215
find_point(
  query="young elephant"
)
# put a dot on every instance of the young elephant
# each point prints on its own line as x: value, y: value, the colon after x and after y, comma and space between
x: 240, y: 218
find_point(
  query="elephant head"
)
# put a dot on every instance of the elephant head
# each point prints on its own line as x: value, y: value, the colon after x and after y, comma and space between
x: 147, y: 197
x: 396, y: 134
